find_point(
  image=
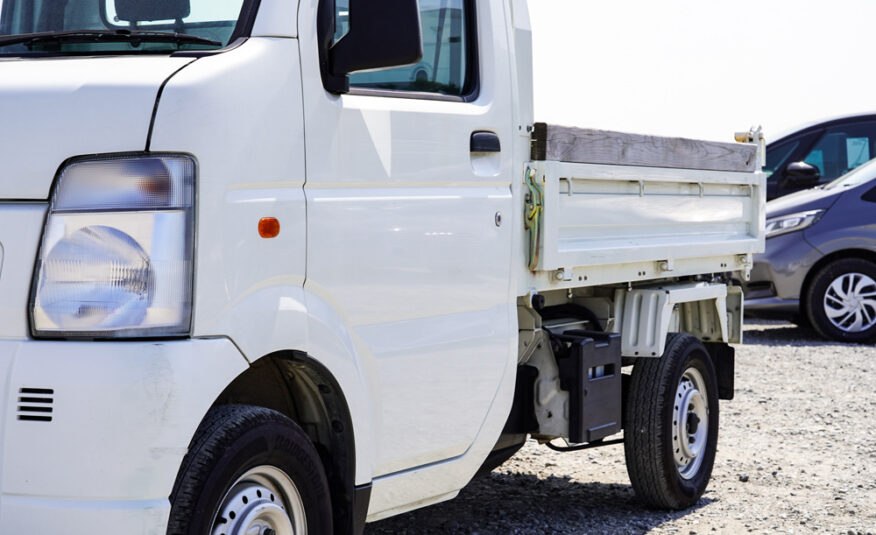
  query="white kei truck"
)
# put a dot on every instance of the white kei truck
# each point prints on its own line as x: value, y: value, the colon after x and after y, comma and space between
x: 274, y: 267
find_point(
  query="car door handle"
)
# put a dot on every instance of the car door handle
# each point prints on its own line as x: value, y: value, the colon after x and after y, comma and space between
x: 482, y: 141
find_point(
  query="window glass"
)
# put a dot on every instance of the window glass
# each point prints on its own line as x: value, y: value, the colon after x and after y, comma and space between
x: 857, y: 151
x: 209, y: 19
x: 201, y: 11
x: 864, y: 173
x: 842, y: 148
x: 445, y: 65
x: 816, y: 156
x: 777, y: 156
x: 342, y: 18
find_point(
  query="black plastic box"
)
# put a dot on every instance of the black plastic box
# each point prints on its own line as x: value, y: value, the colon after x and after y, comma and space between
x: 590, y: 370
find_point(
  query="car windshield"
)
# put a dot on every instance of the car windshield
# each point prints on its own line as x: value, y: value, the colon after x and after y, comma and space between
x: 856, y: 177
x: 69, y: 27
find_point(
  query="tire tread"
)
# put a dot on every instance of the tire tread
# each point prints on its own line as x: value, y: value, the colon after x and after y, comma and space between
x: 645, y: 430
x: 220, y: 427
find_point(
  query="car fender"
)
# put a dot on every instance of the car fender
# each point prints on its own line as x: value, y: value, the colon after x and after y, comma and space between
x: 277, y: 317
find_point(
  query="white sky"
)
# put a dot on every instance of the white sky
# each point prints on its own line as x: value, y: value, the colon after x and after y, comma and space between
x: 701, y: 68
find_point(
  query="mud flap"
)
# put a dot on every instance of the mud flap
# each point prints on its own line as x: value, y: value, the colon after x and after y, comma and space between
x: 724, y: 359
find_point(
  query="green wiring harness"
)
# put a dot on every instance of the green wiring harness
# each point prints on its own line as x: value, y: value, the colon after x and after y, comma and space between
x: 534, y: 208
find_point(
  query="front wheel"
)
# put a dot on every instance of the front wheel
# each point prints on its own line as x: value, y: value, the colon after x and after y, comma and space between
x: 671, y: 429
x: 250, y: 470
x: 841, y: 301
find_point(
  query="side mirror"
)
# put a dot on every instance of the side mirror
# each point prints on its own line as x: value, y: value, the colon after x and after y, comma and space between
x: 802, y: 175
x: 384, y: 33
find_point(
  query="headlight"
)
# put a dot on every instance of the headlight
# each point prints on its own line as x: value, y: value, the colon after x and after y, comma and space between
x: 116, y: 254
x: 792, y: 222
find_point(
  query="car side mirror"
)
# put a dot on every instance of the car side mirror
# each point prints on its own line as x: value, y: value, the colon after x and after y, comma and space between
x: 382, y: 34
x: 802, y: 175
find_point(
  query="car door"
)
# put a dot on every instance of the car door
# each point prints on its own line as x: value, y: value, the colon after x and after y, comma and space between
x: 406, y: 238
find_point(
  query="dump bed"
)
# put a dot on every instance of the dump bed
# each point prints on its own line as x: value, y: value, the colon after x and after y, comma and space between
x: 606, y: 207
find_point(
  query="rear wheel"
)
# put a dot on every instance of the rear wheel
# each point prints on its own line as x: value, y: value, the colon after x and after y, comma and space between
x: 671, y: 424
x: 841, y: 300
x: 250, y: 470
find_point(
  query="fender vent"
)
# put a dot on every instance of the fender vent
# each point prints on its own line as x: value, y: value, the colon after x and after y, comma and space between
x: 35, y: 404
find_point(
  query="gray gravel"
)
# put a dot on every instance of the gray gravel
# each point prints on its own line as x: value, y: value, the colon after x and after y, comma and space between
x: 796, y: 454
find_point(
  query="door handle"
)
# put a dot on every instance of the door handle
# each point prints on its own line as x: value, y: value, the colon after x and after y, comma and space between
x: 483, y: 141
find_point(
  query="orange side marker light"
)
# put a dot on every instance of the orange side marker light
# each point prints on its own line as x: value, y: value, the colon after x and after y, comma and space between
x: 269, y: 227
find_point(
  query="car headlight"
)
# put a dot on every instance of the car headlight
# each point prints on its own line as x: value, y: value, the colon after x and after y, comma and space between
x: 792, y: 222
x: 117, y: 250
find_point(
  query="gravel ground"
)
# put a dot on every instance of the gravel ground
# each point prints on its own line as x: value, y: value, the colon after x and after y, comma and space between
x: 796, y: 454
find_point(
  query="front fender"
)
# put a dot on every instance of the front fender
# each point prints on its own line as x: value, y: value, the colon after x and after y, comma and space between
x: 274, y: 317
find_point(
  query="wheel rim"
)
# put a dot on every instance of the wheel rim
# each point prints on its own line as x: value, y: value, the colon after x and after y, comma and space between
x: 690, y: 423
x: 263, y: 501
x: 850, y: 302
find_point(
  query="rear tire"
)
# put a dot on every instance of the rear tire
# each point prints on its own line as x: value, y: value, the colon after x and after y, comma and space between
x: 671, y: 424
x: 841, y: 301
x: 250, y: 469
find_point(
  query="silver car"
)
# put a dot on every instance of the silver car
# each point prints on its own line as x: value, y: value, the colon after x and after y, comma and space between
x: 819, y: 267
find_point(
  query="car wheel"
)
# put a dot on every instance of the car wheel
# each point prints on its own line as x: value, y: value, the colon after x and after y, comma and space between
x: 841, y: 300
x: 250, y: 470
x: 802, y: 321
x: 671, y: 424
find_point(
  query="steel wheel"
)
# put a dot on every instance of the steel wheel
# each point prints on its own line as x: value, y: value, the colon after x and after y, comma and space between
x: 690, y: 423
x: 850, y: 302
x: 671, y: 424
x: 250, y: 471
x: 263, y: 501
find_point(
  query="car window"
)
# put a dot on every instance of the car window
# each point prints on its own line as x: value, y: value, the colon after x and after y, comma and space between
x: 446, y: 67
x: 777, y: 156
x: 864, y: 173
x: 842, y: 148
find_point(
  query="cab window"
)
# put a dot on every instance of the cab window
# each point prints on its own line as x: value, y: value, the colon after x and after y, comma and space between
x: 211, y: 20
x: 447, y: 65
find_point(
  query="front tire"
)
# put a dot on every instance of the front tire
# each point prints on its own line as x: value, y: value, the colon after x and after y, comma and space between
x: 841, y: 301
x: 671, y: 424
x: 250, y: 470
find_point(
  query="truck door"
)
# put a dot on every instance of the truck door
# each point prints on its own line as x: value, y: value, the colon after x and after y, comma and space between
x: 408, y: 204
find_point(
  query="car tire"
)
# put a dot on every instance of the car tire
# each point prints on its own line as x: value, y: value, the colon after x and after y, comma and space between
x: 671, y: 424
x: 841, y: 301
x: 250, y: 469
x: 801, y: 320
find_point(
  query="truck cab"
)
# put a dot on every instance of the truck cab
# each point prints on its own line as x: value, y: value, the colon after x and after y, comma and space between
x: 289, y: 267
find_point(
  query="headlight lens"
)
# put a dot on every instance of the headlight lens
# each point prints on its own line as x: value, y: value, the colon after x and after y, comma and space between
x: 792, y: 222
x: 116, y: 255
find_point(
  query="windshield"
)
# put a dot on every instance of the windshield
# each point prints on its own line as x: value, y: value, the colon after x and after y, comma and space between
x: 856, y: 177
x: 210, y: 20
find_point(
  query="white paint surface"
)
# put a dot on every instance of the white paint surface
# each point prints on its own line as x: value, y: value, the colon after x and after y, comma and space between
x: 701, y: 69
x: 409, y: 297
